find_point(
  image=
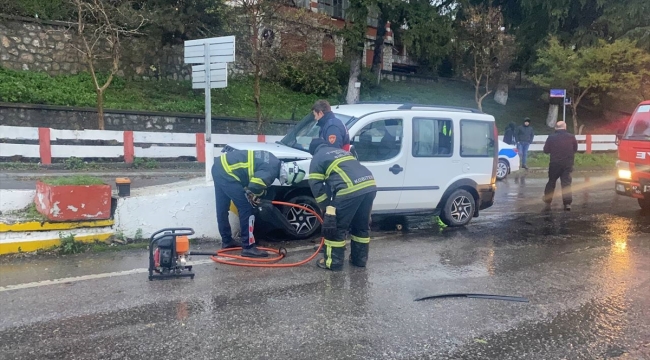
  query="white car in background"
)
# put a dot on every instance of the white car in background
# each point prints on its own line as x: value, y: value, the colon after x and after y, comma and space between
x: 508, y: 160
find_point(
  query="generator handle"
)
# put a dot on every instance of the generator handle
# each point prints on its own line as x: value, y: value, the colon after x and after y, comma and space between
x: 174, y: 232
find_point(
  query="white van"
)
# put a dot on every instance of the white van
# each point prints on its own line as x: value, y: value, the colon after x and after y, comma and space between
x: 426, y: 159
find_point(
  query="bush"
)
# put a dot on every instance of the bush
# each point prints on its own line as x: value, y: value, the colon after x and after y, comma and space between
x: 43, y: 9
x: 309, y: 74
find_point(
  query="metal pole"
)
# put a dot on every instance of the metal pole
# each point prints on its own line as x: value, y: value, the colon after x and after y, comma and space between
x: 209, y: 147
x: 564, y: 107
x: 208, y: 102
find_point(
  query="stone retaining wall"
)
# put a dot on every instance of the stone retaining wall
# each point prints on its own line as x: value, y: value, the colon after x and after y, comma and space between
x: 61, y: 117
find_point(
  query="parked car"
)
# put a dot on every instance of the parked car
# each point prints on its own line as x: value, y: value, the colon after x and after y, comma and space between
x: 426, y: 159
x: 508, y: 160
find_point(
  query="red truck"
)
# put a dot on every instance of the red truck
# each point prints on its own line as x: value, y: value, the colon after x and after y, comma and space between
x: 634, y: 157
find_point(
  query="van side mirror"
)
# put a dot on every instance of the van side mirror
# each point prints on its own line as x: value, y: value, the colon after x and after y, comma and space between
x: 353, y: 151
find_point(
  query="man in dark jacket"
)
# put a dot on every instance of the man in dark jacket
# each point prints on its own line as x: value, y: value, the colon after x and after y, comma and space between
x: 509, y: 135
x: 562, y: 146
x: 242, y: 176
x: 353, y: 190
x: 525, y: 135
x: 332, y: 129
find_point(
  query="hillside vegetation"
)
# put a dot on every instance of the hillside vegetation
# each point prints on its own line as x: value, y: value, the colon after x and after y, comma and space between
x: 278, y: 103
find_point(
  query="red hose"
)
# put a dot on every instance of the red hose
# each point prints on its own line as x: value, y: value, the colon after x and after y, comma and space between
x: 269, y: 262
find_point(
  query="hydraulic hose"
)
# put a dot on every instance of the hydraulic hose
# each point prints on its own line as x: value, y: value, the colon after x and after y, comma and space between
x: 269, y: 262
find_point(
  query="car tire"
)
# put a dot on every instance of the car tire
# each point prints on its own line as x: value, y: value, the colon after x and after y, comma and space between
x: 644, y: 204
x: 459, y: 209
x: 305, y: 224
x: 503, y: 169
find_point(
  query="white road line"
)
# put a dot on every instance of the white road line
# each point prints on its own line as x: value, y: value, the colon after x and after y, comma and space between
x: 111, y: 274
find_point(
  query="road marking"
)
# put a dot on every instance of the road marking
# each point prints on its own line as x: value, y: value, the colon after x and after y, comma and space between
x: 112, y: 274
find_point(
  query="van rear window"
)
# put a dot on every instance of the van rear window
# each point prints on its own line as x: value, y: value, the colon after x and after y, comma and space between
x: 476, y: 139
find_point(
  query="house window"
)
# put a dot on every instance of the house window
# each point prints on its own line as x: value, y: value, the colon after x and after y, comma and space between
x: 333, y: 8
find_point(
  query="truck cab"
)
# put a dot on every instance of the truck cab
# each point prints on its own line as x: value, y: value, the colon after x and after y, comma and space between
x: 633, y: 165
x: 426, y: 159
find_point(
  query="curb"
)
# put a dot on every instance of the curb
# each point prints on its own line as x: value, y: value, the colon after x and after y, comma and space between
x: 28, y: 242
x: 30, y: 226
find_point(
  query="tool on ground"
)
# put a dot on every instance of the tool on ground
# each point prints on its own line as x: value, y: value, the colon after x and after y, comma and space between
x: 168, y: 251
x: 476, y: 296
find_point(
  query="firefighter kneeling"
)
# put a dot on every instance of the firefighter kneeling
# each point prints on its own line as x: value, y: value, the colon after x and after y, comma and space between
x: 352, y: 185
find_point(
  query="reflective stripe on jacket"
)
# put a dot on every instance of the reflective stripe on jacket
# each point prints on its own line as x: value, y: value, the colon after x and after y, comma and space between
x: 341, y: 172
x: 256, y: 170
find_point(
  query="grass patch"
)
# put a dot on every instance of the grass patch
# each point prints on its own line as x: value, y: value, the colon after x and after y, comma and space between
x: 278, y: 102
x: 18, y: 166
x: 29, y: 213
x: 73, y: 180
x: 601, y: 161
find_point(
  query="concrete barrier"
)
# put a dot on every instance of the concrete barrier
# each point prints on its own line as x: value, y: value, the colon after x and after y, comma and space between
x: 184, y: 204
x: 11, y: 200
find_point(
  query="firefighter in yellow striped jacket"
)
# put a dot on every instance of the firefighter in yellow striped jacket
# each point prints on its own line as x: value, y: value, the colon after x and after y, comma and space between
x: 242, y: 176
x: 353, y: 190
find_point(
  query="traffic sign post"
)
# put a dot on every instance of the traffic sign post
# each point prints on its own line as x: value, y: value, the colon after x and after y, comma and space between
x: 211, y: 72
x: 561, y: 93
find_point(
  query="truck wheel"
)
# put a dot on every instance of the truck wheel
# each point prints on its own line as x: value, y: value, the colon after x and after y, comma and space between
x: 459, y: 209
x: 302, y: 221
x: 503, y: 169
x: 644, y: 204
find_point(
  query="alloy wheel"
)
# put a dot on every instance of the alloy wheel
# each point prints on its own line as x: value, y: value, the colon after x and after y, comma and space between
x: 302, y: 220
x: 502, y: 170
x: 461, y: 209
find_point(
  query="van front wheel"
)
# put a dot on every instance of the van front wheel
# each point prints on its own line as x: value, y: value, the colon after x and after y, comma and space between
x: 644, y: 204
x: 459, y: 209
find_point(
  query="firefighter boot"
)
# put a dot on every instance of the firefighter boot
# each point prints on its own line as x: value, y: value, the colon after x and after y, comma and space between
x: 253, y: 252
x: 359, y: 253
x: 333, y: 256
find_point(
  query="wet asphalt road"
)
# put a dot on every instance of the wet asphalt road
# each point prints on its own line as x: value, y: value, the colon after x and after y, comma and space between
x: 586, y: 274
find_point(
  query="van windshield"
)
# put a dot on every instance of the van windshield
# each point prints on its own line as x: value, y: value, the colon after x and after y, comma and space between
x: 639, y: 127
x: 306, y: 130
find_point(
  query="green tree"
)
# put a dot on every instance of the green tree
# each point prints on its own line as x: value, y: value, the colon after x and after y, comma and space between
x: 590, y: 71
x: 428, y: 32
x: 354, y: 34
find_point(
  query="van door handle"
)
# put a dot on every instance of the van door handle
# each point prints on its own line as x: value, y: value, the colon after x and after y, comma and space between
x: 396, y: 169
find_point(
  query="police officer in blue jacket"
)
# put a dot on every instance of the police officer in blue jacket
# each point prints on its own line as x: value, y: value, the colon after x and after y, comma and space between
x: 332, y: 129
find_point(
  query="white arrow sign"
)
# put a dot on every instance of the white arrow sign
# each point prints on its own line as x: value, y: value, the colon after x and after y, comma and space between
x: 212, y: 54
x: 218, y: 76
x: 221, y: 50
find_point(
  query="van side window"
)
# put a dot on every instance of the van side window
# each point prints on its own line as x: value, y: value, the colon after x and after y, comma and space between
x: 476, y: 138
x: 379, y: 140
x: 432, y: 137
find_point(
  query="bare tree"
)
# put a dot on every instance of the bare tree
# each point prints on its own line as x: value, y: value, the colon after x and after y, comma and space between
x: 485, y: 48
x: 101, y: 24
x: 268, y: 29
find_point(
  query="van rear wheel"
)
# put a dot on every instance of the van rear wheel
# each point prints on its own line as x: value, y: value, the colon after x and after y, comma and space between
x: 459, y: 209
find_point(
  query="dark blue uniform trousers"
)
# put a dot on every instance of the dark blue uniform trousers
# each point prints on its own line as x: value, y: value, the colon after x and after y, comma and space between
x: 224, y: 192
